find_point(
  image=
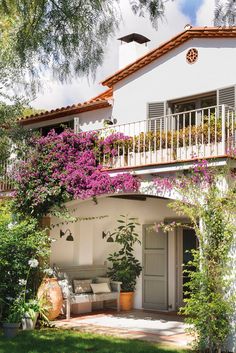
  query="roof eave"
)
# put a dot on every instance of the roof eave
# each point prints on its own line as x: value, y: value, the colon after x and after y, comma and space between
x: 65, y: 113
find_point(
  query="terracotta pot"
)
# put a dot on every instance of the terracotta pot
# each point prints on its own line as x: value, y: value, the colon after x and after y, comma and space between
x: 126, y: 300
x: 51, y: 293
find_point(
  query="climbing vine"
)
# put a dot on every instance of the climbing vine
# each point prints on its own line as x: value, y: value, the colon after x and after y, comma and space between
x: 66, y: 166
x: 207, y: 197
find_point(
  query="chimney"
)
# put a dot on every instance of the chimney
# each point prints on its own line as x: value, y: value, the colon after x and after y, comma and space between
x: 132, y: 47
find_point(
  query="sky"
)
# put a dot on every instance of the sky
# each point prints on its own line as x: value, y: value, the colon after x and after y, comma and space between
x: 178, y: 13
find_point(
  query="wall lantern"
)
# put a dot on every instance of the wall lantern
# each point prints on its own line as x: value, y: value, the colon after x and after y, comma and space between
x: 69, y: 236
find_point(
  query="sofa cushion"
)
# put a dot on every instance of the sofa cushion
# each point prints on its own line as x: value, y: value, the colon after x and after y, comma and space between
x: 103, y: 280
x: 82, y: 286
x: 100, y: 288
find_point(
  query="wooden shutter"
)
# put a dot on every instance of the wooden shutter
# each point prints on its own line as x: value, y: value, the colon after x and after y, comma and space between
x: 226, y: 96
x: 156, y: 112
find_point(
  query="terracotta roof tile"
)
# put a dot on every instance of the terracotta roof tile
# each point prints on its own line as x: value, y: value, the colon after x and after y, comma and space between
x: 194, y: 32
x: 98, y: 102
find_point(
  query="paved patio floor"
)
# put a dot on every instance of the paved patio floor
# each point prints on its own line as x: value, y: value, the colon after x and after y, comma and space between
x: 137, y: 324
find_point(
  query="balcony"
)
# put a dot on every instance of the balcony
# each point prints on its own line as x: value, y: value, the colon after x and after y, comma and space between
x: 201, y: 133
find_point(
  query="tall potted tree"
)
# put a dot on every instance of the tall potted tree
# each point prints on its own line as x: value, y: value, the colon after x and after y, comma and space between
x: 124, y: 267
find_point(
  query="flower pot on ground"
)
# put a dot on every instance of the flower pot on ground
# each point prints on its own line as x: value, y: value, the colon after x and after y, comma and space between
x: 124, y: 267
x: 31, y: 310
x: 126, y: 301
x: 10, y: 329
x: 28, y: 323
x: 12, y: 323
x: 50, y: 293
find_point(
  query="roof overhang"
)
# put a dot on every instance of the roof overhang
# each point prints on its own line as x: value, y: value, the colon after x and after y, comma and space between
x: 103, y: 100
x: 64, y: 112
x: 190, y: 33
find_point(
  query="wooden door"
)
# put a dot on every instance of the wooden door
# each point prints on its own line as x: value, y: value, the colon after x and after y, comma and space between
x: 154, y: 269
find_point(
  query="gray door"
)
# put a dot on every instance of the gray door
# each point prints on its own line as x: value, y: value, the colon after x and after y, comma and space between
x: 154, y: 269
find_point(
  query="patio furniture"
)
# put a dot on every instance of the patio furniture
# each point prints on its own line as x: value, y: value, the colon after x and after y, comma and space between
x: 95, y: 273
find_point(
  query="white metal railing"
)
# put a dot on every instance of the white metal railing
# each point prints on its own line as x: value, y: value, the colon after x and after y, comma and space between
x: 6, y: 177
x: 200, y: 133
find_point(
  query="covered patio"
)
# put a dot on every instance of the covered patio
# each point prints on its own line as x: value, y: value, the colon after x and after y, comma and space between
x: 168, y: 328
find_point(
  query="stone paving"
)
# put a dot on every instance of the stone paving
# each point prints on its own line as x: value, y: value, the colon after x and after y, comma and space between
x: 136, y: 324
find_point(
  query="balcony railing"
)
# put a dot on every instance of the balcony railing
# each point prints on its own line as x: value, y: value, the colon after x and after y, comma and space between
x: 200, y: 133
x: 6, y: 178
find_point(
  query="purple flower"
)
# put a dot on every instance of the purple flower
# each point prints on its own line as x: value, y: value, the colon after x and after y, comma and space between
x: 66, y: 166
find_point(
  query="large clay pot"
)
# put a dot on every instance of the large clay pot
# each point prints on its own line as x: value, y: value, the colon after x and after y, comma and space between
x: 51, y: 293
x: 126, y: 300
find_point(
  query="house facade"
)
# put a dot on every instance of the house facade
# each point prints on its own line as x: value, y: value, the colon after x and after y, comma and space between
x: 177, y: 102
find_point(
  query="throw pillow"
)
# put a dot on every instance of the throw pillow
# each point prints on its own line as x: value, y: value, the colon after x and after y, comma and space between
x: 82, y: 286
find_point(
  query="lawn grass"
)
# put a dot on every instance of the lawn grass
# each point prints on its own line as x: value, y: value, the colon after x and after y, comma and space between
x: 68, y: 341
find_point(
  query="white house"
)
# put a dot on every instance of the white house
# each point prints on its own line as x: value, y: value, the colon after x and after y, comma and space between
x: 186, y: 84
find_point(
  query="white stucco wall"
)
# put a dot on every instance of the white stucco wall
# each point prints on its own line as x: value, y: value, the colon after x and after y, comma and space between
x: 167, y: 78
x: 90, y: 248
x: 171, y: 77
x: 90, y: 120
x: 93, y: 120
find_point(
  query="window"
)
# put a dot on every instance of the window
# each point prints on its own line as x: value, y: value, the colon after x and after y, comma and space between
x: 57, y: 127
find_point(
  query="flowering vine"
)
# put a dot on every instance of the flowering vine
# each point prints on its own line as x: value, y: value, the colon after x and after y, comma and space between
x: 64, y: 167
x: 207, y: 197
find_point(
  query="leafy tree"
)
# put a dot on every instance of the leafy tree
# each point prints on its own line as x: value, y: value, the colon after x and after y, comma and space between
x: 68, y: 37
x: 65, y: 37
x: 19, y: 242
x: 155, y: 8
x: 13, y: 138
x: 225, y: 13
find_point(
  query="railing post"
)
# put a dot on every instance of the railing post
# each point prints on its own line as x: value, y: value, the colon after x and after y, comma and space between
x: 76, y: 125
x: 223, y: 129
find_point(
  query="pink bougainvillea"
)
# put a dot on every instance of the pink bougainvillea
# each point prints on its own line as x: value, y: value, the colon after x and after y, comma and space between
x: 201, y: 175
x: 65, y: 166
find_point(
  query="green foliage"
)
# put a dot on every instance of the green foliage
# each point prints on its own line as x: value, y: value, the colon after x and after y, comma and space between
x: 225, y: 13
x: 67, y: 37
x: 13, y: 137
x: 20, y: 242
x: 210, y: 205
x: 125, y: 267
x: 207, y: 308
x: 155, y: 9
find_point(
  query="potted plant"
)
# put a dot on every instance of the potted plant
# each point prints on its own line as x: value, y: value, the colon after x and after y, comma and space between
x: 31, y: 310
x: 12, y: 322
x: 125, y: 267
